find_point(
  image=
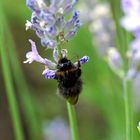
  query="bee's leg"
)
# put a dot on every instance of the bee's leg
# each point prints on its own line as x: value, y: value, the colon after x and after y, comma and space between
x: 78, y: 64
x: 78, y: 73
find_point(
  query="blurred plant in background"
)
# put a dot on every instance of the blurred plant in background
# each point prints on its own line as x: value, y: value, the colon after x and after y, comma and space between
x: 56, y: 129
x: 100, y: 23
x: 126, y: 64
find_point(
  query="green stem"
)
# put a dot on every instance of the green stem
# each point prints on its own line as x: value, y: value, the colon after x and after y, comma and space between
x: 73, y: 121
x: 128, y: 108
x: 13, y: 105
x: 33, y: 125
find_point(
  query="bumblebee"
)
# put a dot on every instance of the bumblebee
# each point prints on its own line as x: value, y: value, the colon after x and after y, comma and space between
x: 69, y: 81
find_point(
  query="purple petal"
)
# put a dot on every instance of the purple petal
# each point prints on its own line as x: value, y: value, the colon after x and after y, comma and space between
x: 129, y: 6
x: 131, y: 22
x: 135, y: 45
x: 132, y: 73
x: 32, y: 4
x: 49, y: 74
x: 47, y: 17
x: 73, y: 23
x: 34, y: 18
x: 48, y: 43
x: 39, y: 32
x: 84, y: 59
x: 56, y: 5
x: 68, y: 9
x: 33, y: 54
x: 75, y: 16
x: 70, y: 34
x: 51, y: 31
x: 137, y: 33
x: 50, y: 64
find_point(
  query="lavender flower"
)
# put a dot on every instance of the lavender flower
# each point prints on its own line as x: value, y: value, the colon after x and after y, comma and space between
x: 131, y: 20
x: 49, y: 21
x: 131, y: 23
x: 115, y: 61
x: 101, y: 24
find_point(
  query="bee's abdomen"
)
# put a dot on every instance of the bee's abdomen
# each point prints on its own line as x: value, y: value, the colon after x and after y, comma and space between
x: 70, y: 84
x: 73, y: 91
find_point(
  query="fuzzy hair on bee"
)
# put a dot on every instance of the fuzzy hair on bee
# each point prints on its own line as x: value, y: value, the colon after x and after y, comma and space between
x: 69, y: 81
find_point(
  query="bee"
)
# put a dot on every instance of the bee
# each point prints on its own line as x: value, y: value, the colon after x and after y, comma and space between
x: 69, y: 82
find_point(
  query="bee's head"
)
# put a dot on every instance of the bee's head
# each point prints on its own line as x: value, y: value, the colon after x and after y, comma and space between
x: 64, y: 64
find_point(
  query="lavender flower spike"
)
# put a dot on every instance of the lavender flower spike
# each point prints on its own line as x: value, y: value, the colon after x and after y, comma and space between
x: 131, y: 20
x: 130, y: 6
x: 115, y: 61
x: 49, y: 22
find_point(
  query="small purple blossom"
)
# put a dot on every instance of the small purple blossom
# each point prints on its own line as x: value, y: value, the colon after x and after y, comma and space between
x: 130, y: 6
x: 33, y: 55
x: 135, y: 45
x: 49, y: 74
x: 48, y: 43
x: 57, y: 129
x: 132, y: 73
x: 84, y: 59
x: 131, y: 20
x: 115, y: 61
x: 70, y: 34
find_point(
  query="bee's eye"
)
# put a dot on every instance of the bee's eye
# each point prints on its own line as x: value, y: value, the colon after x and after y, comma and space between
x: 60, y: 65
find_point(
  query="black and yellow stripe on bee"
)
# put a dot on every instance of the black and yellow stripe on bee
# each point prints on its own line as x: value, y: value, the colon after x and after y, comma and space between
x: 69, y: 81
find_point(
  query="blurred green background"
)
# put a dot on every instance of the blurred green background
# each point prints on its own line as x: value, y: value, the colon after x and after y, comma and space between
x: 100, y: 109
